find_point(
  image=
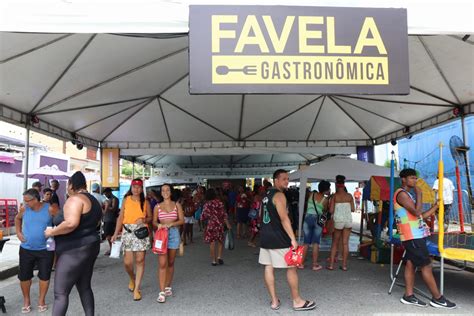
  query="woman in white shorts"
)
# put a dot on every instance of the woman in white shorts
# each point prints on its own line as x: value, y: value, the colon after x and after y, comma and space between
x: 341, y: 207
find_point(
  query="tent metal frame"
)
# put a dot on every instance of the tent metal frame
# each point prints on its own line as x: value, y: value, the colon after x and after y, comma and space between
x: 164, y: 120
x: 91, y: 106
x: 64, y: 72
x: 435, y: 63
x: 241, y: 120
x: 106, y: 81
x: 282, y: 118
x: 140, y: 107
x: 316, y: 119
x: 352, y: 119
x: 198, y: 118
x: 109, y: 116
x: 368, y: 111
x: 15, y: 116
x: 28, y: 51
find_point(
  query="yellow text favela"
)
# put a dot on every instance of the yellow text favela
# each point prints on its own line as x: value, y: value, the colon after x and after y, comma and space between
x: 252, y: 34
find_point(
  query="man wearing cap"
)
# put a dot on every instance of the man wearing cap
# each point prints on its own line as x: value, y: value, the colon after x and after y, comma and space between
x: 95, y: 188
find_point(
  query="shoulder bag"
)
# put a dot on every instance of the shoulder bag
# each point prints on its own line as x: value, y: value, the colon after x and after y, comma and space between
x: 140, y: 233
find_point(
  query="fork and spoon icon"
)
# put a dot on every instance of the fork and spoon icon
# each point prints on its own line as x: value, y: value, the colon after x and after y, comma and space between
x: 247, y: 70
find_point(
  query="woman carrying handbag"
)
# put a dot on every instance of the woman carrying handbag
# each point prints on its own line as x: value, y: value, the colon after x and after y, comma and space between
x: 316, y: 206
x: 132, y: 223
x: 167, y: 215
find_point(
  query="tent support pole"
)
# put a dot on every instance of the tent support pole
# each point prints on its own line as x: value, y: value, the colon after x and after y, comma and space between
x: 301, y: 201
x: 27, y: 157
x: 441, y: 277
x: 133, y: 168
x: 392, y: 192
x: 100, y: 165
x: 362, y: 211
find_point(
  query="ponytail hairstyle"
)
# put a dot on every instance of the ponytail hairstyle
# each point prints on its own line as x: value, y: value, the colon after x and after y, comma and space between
x: 78, y: 181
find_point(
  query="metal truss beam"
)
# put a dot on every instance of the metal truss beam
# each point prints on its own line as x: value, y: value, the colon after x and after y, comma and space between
x: 423, y: 125
x: 19, y: 118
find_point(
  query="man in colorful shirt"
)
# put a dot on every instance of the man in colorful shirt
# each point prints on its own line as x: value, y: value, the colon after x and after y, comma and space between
x: 413, y: 232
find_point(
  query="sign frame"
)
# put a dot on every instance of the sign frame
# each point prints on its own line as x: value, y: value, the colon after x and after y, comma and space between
x: 249, y: 49
x: 110, y: 167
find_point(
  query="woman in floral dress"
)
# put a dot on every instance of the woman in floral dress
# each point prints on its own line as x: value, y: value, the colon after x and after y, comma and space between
x: 214, y: 212
x: 255, y: 217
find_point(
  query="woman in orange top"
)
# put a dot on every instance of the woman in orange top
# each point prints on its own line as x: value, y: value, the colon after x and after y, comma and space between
x: 135, y: 213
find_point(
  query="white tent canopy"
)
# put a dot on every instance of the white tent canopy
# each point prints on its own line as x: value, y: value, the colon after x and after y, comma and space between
x: 173, y: 174
x: 353, y: 170
x: 164, y: 16
x: 47, y: 171
x: 130, y: 91
x: 230, y: 166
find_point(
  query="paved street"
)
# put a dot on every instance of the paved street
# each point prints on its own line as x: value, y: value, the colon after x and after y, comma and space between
x: 237, y: 288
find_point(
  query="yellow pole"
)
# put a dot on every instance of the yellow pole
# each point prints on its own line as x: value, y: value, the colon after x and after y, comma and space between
x: 440, y: 201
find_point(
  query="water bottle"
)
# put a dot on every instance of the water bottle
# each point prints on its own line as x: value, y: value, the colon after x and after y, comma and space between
x: 50, y: 243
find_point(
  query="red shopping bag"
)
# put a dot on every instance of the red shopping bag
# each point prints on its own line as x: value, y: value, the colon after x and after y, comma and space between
x: 294, y: 257
x: 160, y: 243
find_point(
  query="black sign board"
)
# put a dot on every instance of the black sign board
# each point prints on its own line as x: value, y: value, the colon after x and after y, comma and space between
x: 310, y: 50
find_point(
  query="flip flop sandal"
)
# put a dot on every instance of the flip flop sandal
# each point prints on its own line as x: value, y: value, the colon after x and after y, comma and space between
x: 42, y: 308
x: 161, y: 297
x: 308, y: 305
x: 168, y: 291
x: 131, y: 285
x: 342, y: 268
x: 317, y: 267
x: 26, y: 310
x: 137, y: 296
x: 330, y: 268
x: 277, y: 307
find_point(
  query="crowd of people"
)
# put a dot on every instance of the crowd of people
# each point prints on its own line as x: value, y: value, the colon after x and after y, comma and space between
x: 262, y: 216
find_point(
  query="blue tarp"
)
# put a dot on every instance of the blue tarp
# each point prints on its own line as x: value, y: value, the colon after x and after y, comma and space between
x: 421, y: 152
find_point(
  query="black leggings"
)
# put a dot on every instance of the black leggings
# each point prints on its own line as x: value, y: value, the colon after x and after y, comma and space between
x: 75, y: 267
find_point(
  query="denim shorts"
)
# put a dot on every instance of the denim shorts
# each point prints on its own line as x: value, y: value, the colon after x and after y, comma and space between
x: 311, y: 229
x: 173, y: 238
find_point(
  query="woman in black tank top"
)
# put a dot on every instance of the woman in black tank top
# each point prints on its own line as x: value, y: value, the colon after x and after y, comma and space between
x: 77, y: 246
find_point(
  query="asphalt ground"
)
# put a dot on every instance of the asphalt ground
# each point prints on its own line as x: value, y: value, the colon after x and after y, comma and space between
x: 237, y: 288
